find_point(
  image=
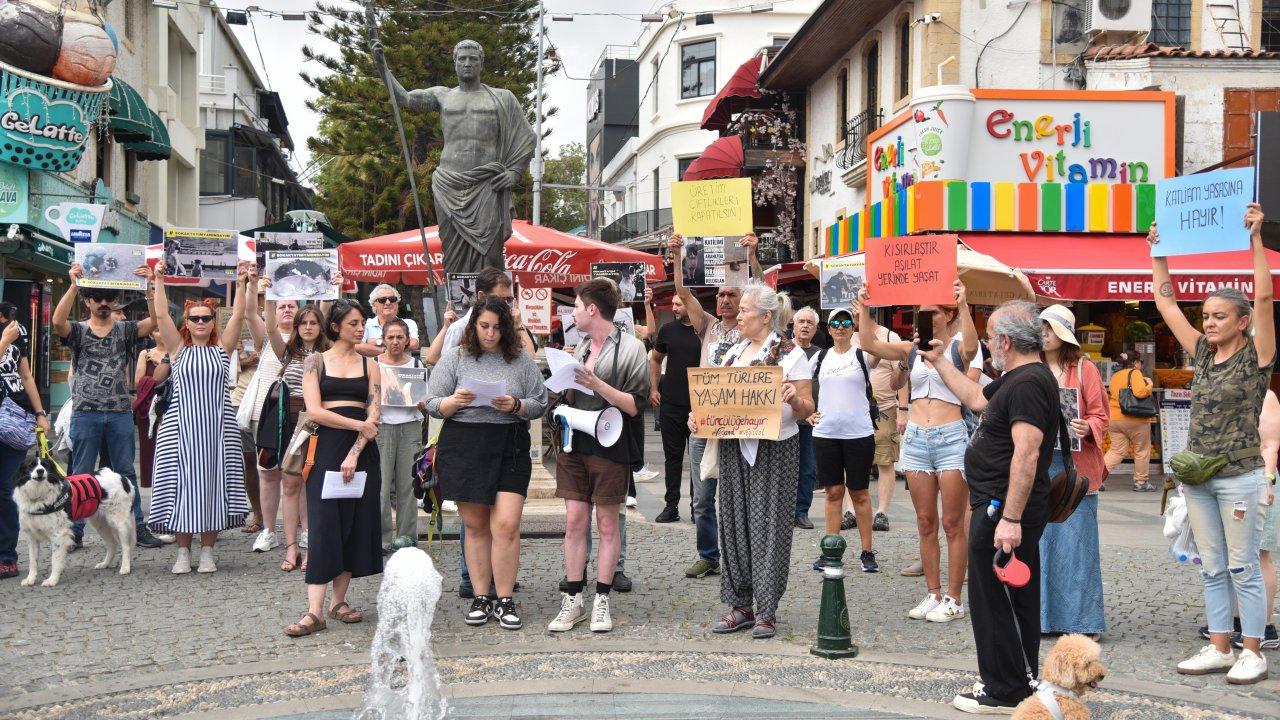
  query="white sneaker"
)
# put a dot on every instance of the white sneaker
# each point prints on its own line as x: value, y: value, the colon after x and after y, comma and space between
x: 645, y: 474
x: 302, y: 540
x: 602, y: 621
x: 1250, y: 668
x: 266, y: 541
x: 182, y: 565
x: 449, y: 506
x: 207, y: 565
x: 166, y: 538
x: 571, y: 613
x: 631, y: 501
x: 929, y: 602
x: 946, y: 611
x: 1208, y: 660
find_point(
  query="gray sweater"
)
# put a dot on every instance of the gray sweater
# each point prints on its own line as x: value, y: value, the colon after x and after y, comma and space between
x: 522, y: 377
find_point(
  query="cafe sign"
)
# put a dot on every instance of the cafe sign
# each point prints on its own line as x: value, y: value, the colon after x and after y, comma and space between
x: 44, y: 123
x: 14, y: 196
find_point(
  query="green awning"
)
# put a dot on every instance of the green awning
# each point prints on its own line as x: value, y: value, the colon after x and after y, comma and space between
x: 157, y: 147
x: 129, y: 119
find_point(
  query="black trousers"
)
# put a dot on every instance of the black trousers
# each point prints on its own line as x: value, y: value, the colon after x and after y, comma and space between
x: 1000, y: 660
x: 674, y: 424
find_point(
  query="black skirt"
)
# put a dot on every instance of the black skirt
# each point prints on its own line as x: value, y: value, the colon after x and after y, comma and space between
x: 345, y: 535
x: 476, y: 461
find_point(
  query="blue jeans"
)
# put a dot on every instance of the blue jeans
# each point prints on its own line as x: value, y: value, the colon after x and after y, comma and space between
x: 808, y: 471
x: 10, y: 461
x: 704, y: 503
x: 622, y: 556
x: 1223, y: 513
x: 90, y: 432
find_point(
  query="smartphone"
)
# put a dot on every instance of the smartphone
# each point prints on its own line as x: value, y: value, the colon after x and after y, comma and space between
x: 924, y: 327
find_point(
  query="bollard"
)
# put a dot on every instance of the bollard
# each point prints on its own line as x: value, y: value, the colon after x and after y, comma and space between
x: 834, y: 641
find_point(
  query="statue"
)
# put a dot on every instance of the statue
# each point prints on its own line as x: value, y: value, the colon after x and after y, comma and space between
x: 487, y: 148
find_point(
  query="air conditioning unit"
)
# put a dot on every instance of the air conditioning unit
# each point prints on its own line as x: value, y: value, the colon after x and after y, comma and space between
x: 1126, y: 16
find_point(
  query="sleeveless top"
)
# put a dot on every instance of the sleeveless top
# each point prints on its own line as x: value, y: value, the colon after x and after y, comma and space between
x: 355, y: 389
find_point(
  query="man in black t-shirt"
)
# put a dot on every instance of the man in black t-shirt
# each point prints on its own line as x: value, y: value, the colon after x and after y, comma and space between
x: 680, y: 346
x: 1007, y: 460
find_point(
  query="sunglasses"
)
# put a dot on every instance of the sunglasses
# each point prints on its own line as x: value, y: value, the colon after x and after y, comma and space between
x: 101, y: 299
x: 386, y: 300
x: 199, y: 318
x: 840, y: 323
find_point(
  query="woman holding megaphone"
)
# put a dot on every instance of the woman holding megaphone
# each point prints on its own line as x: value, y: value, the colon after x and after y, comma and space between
x: 483, y: 452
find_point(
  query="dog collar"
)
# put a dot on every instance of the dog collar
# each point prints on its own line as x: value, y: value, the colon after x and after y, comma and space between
x: 59, y: 504
x: 1048, y: 694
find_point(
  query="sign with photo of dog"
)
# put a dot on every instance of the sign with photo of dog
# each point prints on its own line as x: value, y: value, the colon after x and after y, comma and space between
x: 403, y: 386
x: 302, y: 274
x: 202, y: 254
x: 628, y: 275
x: 714, y: 261
x: 110, y: 266
x: 267, y: 241
x: 462, y: 290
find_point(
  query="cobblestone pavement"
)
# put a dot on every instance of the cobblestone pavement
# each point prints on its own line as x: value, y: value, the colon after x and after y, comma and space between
x: 97, y: 624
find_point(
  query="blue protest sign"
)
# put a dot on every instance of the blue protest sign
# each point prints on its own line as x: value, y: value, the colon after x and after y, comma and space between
x: 1203, y: 213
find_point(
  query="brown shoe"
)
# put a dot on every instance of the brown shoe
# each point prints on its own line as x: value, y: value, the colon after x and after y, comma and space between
x: 737, y: 619
x: 302, y: 628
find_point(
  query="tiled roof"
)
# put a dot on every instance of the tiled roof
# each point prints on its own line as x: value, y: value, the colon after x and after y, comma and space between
x: 1103, y: 53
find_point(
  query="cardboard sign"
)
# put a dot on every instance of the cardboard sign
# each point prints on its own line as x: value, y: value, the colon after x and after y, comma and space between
x: 1203, y: 213
x: 911, y: 271
x: 110, y: 266
x: 535, y: 309
x: 629, y: 277
x: 744, y: 403
x: 711, y: 207
x: 842, y: 278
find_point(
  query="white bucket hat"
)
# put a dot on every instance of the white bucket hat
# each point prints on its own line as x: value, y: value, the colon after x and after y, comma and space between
x: 1063, y: 322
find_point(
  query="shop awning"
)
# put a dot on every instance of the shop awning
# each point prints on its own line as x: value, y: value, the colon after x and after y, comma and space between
x: 157, y: 145
x: 1113, y: 267
x: 742, y: 84
x: 130, y: 119
x: 722, y: 159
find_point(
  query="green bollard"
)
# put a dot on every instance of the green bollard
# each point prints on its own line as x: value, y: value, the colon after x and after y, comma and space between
x: 834, y: 641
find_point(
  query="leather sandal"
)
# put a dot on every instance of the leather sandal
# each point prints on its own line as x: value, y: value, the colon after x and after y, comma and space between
x: 737, y: 619
x: 349, y: 616
x: 303, y: 629
x: 763, y: 630
x: 289, y: 565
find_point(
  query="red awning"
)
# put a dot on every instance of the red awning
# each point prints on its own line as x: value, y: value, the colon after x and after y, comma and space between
x: 1113, y: 267
x: 722, y: 159
x: 538, y: 256
x: 743, y: 84
x: 785, y: 274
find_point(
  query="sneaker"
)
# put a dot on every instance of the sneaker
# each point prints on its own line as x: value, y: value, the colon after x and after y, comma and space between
x: 504, y: 611
x: 182, y: 565
x: 915, y: 569
x: 465, y: 591
x: 849, y: 522
x: 207, y: 565
x: 702, y: 568
x: 946, y: 611
x: 926, y: 606
x: 146, y: 539
x: 669, y: 514
x: 166, y: 538
x: 1235, y: 628
x: 880, y: 523
x: 302, y: 540
x: 480, y: 612
x: 980, y: 703
x: 621, y: 582
x: 602, y: 621
x: 8, y: 570
x: 1270, y: 640
x: 631, y: 501
x: 803, y: 522
x: 868, y: 560
x: 819, y: 564
x: 1250, y: 668
x: 644, y: 474
x: 449, y: 506
x: 1207, y: 661
x: 266, y: 541
x: 571, y: 613
x: 1143, y: 487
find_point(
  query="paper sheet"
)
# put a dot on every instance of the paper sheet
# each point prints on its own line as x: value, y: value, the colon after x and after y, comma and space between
x: 562, y: 366
x: 485, y: 390
x: 335, y: 489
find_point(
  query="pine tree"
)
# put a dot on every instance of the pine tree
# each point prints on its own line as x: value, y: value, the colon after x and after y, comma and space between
x: 363, y: 186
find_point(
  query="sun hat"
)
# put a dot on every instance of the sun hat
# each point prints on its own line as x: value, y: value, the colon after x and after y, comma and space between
x: 1063, y: 322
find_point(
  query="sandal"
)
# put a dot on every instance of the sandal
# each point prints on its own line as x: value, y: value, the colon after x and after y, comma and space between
x: 737, y: 619
x: 290, y: 565
x: 303, y: 628
x: 252, y: 526
x: 349, y: 616
x: 763, y: 630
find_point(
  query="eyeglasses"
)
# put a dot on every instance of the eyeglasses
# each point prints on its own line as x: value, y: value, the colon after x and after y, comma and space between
x: 386, y: 300
x: 101, y: 299
x: 199, y: 318
x: 840, y: 323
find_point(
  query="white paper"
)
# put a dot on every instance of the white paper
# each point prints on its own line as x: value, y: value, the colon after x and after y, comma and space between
x: 562, y: 366
x: 485, y: 390
x: 335, y: 489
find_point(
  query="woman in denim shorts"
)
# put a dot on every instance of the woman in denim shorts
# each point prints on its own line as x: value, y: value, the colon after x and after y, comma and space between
x: 933, y: 448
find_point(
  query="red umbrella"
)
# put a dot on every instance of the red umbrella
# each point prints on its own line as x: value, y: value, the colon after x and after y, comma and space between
x: 722, y: 159
x: 537, y: 256
x: 743, y: 84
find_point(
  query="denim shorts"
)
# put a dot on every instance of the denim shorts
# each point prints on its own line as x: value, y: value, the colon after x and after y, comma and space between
x: 934, y: 449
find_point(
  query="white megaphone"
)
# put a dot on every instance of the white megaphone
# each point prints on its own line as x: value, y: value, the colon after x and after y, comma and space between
x: 603, y: 425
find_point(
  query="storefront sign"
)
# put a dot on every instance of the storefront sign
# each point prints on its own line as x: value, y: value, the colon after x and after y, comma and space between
x: 14, y: 194
x: 744, y: 403
x: 911, y: 271
x: 1175, y: 424
x: 712, y: 207
x: 1203, y: 213
x: 535, y: 310
x: 78, y: 222
x: 45, y: 127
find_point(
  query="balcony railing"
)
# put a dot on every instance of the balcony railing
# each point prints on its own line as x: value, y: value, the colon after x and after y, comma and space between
x: 636, y: 224
x: 856, y: 130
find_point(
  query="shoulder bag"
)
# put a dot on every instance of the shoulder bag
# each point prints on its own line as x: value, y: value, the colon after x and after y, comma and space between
x: 1066, y: 489
x: 1134, y: 406
x: 17, y: 426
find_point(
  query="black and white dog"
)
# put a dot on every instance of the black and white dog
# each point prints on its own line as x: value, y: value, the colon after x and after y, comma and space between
x: 48, y: 502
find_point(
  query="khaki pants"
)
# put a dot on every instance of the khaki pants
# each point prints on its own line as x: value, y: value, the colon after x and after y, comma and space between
x: 397, y: 444
x: 1131, y: 432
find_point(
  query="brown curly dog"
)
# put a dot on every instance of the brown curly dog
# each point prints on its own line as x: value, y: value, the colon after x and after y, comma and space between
x: 1074, y: 667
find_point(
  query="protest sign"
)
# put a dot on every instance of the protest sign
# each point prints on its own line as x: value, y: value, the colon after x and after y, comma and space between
x: 625, y: 320
x: 711, y: 207
x: 535, y: 309
x: 462, y: 291
x: 204, y: 254
x: 629, y: 277
x: 842, y: 278
x: 246, y: 339
x: 1203, y: 213
x: 110, y: 266
x: 1069, y: 401
x: 744, y: 403
x: 403, y: 386
x: 267, y: 241
x: 572, y: 336
x: 714, y: 261
x: 917, y: 270
x: 302, y: 274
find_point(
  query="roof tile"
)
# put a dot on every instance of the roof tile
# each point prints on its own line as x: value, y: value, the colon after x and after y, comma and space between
x: 1104, y: 53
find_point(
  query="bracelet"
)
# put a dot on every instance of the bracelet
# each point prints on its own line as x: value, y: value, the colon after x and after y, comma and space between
x: 41, y: 413
x: 904, y: 407
x: 1012, y: 521
x: 518, y: 406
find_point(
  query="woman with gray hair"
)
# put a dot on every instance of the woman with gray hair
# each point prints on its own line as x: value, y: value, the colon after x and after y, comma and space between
x: 758, y: 477
x: 385, y: 302
x: 1225, y: 510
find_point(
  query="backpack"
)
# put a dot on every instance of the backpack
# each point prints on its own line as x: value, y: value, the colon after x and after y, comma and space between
x: 874, y: 410
x: 970, y: 418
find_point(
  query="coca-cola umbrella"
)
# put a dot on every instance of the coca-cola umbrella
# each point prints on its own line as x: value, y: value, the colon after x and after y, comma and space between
x: 537, y: 256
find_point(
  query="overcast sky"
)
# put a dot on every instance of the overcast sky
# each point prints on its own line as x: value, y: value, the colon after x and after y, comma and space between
x: 579, y: 43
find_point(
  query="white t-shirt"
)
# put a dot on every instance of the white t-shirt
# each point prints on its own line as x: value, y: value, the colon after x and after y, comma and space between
x: 795, y: 366
x: 373, y: 330
x: 842, y: 400
x: 927, y: 383
x: 392, y: 415
x: 453, y: 334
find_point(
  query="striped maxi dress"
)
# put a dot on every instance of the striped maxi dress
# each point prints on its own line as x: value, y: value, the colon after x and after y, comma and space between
x: 198, y: 483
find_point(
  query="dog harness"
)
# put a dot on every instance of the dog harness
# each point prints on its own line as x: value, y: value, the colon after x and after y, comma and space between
x: 1048, y: 694
x: 79, y: 496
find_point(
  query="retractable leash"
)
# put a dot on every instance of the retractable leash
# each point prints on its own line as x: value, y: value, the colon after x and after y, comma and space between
x: 1013, y: 573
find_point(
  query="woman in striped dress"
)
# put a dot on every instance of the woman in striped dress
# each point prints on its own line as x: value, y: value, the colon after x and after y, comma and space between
x: 198, y: 482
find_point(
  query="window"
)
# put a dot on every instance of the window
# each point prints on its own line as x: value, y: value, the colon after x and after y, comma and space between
x: 698, y: 69
x: 1271, y: 25
x: 1171, y: 22
x: 246, y: 172
x: 904, y: 57
x: 213, y: 166
x: 683, y: 164
x: 130, y: 17
x: 102, y: 150
x: 657, y: 190
x: 871, y: 102
x: 842, y: 101
x: 130, y: 173
x: 780, y: 41
x: 653, y: 89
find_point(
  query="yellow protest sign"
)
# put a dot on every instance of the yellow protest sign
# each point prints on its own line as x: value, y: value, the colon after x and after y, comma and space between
x: 712, y: 207
x: 742, y: 403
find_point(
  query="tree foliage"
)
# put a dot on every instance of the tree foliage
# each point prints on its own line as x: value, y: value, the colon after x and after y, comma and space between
x: 565, y: 209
